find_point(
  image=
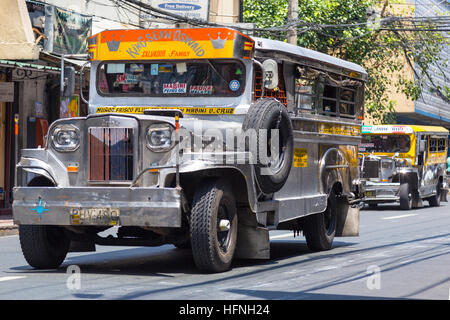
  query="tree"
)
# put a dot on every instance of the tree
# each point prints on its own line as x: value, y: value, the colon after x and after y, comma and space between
x: 367, y: 32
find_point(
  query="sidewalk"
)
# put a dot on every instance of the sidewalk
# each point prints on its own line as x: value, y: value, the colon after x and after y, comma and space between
x: 6, y: 222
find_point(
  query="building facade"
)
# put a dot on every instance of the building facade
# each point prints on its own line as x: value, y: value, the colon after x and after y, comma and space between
x: 430, y: 108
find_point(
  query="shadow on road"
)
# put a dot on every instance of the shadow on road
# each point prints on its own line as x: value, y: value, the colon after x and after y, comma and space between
x: 167, y: 260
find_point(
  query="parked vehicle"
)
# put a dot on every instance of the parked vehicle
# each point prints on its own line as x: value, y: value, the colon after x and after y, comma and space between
x: 151, y: 157
x: 405, y: 164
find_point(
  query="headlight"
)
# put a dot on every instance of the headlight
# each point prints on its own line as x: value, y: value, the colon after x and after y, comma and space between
x: 159, y: 137
x: 66, y: 137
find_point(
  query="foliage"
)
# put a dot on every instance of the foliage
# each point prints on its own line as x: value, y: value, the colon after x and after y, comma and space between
x: 388, y: 53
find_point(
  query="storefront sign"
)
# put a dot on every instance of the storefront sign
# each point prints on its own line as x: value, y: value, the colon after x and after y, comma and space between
x: 6, y: 91
x: 192, y: 9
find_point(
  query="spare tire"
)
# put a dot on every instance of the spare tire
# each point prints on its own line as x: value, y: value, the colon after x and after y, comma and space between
x: 270, y: 114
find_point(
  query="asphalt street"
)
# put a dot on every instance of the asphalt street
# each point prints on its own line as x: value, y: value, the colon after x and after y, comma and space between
x: 398, y: 255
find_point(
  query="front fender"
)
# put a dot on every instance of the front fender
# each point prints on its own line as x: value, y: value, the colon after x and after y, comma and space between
x: 43, y: 162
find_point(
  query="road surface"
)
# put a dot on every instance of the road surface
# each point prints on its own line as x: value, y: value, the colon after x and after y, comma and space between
x: 398, y: 255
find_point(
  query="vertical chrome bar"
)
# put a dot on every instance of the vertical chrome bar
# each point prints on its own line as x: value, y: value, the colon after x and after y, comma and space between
x: 177, y: 141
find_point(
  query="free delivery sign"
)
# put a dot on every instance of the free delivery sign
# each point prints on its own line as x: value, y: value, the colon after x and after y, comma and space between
x: 192, y: 9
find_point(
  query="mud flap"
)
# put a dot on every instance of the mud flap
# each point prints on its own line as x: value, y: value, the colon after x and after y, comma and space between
x: 444, y: 195
x: 347, y: 220
x: 252, y: 241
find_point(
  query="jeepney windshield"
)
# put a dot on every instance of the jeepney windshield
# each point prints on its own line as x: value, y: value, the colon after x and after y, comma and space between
x: 385, y: 143
x: 191, y: 78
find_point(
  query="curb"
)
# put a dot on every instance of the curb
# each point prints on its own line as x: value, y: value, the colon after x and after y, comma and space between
x: 7, y: 223
x: 8, y: 227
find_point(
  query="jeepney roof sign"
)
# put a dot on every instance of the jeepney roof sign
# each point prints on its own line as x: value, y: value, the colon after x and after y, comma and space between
x: 400, y: 129
x: 195, y: 43
x: 386, y: 129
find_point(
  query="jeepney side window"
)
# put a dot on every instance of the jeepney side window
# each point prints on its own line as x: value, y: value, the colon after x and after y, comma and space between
x: 441, y: 145
x: 433, y: 145
x: 337, y: 101
x: 305, y: 95
x: 347, y: 99
x: 328, y: 99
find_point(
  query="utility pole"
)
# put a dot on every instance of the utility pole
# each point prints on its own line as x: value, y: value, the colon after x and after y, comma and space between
x: 292, y: 19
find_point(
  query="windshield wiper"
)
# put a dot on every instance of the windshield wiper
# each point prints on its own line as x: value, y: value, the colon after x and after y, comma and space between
x: 215, y: 70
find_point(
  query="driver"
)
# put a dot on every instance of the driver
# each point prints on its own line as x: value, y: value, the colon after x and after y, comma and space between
x: 403, y: 144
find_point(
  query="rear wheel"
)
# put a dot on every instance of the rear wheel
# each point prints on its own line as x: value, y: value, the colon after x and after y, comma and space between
x: 405, y: 196
x: 319, y: 229
x: 44, y: 247
x: 213, y: 226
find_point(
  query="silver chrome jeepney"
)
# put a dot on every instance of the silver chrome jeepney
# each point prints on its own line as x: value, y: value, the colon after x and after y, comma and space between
x: 171, y: 150
x: 405, y: 164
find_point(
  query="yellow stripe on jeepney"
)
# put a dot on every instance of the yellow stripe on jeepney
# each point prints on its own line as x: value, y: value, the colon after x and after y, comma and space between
x: 185, y: 110
x: 345, y: 130
x: 439, y: 157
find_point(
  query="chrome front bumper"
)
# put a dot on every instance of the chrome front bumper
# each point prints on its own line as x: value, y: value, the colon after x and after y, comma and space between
x: 378, y: 192
x: 100, y: 206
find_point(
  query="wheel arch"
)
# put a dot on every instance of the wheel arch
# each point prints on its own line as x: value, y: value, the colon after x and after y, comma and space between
x: 239, y: 183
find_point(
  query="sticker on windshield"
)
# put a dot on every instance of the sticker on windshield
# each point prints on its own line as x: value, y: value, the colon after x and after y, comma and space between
x: 126, y: 78
x: 201, y: 89
x: 234, y: 85
x: 165, y: 68
x: 154, y: 69
x: 174, y: 87
x: 138, y: 68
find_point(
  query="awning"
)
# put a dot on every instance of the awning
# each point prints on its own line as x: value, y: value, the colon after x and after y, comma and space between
x: 28, y: 66
x: 53, y: 66
x: 17, y: 38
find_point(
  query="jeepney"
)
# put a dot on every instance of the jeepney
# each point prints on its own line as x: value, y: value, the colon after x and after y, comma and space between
x: 203, y: 138
x: 405, y: 164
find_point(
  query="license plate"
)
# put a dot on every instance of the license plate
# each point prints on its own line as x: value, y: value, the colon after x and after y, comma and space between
x: 94, y: 216
x: 370, y: 193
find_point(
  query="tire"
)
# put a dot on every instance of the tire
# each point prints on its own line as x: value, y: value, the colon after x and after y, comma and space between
x: 319, y: 229
x: 435, y: 201
x: 405, y: 196
x: 270, y: 114
x: 212, y: 249
x: 44, y: 247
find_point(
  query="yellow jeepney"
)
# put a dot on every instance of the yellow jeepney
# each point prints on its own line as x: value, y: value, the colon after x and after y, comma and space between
x: 404, y: 163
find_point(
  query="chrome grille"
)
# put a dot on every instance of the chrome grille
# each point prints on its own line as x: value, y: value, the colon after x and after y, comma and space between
x: 110, y: 154
x: 371, y: 169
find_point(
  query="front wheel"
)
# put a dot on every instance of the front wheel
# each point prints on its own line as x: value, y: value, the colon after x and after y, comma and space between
x: 405, y: 196
x: 213, y: 226
x: 435, y: 201
x: 319, y: 229
x: 44, y: 247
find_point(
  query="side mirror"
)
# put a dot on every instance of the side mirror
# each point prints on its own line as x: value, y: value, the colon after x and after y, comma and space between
x: 422, y: 145
x: 68, y: 82
x: 270, y: 68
